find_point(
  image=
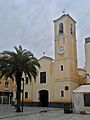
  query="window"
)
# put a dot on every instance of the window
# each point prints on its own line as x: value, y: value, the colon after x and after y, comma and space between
x: 6, y: 84
x: 26, y: 94
x: 61, y: 67
x: 42, y: 77
x: 66, y: 88
x: 26, y: 80
x: 86, y: 99
x: 74, y: 30
x: 62, y: 93
x: 60, y: 28
x: 71, y: 28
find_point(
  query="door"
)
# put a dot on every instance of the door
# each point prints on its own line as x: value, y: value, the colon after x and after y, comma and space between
x: 43, y: 95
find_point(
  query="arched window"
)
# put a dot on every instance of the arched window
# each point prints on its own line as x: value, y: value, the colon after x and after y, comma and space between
x: 61, y: 67
x: 62, y: 93
x: 60, y: 28
x: 66, y: 88
x: 74, y: 30
x: 71, y: 28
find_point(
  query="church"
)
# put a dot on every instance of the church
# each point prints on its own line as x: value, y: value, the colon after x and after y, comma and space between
x: 58, y: 77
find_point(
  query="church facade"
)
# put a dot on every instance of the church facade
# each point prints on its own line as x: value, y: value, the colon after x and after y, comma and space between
x: 57, y: 77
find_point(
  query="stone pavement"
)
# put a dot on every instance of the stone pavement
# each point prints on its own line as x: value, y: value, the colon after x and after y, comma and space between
x: 7, y: 112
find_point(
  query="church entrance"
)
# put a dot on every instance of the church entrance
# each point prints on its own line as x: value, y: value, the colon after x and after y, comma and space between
x: 43, y: 96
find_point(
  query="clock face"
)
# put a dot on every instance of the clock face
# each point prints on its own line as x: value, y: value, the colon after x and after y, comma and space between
x: 61, y: 50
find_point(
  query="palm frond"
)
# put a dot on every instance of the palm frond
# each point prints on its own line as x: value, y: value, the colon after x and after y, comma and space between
x: 22, y: 60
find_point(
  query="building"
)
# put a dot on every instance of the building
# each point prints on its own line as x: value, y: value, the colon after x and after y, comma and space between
x: 81, y: 95
x: 57, y: 77
x: 87, y: 56
x: 6, y: 91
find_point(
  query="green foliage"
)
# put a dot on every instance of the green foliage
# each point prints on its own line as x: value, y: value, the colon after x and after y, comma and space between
x: 20, y: 61
x: 14, y: 64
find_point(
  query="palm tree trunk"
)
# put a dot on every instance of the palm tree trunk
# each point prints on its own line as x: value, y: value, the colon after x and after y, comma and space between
x: 18, y: 93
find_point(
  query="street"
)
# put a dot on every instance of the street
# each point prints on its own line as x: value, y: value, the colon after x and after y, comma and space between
x: 7, y: 112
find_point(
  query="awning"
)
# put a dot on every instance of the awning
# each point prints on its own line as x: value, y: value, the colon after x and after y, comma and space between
x: 82, y: 89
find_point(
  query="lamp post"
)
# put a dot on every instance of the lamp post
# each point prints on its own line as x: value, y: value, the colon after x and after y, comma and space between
x: 22, y: 93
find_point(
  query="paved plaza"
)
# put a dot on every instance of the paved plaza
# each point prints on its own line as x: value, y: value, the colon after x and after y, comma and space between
x: 7, y: 112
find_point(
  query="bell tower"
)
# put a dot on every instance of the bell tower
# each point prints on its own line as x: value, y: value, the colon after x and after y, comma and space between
x: 65, y: 68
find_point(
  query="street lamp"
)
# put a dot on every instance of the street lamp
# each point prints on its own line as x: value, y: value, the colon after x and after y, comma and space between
x: 22, y: 93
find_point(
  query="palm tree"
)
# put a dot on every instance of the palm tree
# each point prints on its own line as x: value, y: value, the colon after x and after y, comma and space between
x: 14, y: 64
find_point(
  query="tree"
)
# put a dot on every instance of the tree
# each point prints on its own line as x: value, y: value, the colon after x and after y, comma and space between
x: 14, y: 64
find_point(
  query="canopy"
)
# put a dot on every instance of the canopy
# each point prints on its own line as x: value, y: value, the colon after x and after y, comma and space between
x: 82, y: 89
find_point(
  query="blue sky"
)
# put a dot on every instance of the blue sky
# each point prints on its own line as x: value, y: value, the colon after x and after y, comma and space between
x: 30, y: 23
